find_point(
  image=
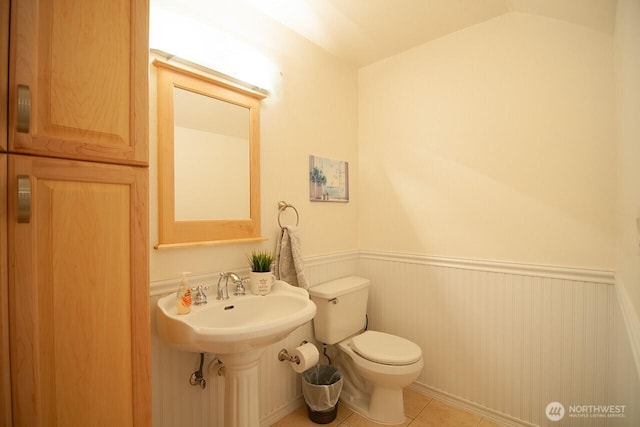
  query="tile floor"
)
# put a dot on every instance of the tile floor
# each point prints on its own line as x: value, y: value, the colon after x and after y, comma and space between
x: 421, y: 411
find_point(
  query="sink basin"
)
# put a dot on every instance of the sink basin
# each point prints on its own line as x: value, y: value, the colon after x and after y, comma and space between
x: 236, y: 325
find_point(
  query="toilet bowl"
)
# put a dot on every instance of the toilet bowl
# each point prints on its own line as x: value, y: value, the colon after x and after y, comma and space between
x: 385, y: 364
x: 376, y: 366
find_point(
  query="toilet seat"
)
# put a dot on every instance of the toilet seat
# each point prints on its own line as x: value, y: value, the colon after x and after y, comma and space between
x: 387, y: 349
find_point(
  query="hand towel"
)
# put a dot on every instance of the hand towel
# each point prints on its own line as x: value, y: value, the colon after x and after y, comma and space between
x: 289, y: 264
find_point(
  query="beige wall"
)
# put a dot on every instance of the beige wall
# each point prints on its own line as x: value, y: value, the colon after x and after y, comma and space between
x: 495, y: 142
x: 627, y: 62
x: 312, y: 110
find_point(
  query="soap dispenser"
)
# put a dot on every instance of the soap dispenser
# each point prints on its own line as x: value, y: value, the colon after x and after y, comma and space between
x: 183, y: 297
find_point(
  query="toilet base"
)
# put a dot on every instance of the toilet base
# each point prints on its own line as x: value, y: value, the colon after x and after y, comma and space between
x: 383, y: 406
x: 387, y: 406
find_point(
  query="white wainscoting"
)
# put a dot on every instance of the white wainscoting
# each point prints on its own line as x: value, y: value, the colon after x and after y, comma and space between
x: 499, y: 339
x: 502, y: 339
x: 631, y: 321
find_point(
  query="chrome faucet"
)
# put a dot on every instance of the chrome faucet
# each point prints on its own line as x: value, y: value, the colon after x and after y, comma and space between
x: 223, y: 292
x: 222, y: 289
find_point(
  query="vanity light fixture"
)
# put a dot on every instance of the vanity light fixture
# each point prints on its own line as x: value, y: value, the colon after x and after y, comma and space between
x: 187, y: 40
x: 170, y: 57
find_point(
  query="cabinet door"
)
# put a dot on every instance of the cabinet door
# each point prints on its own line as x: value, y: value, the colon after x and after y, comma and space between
x: 4, y: 67
x: 5, y: 384
x: 78, y: 79
x: 79, y: 295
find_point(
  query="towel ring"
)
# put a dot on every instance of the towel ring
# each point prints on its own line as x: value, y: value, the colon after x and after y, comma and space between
x: 282, y: 206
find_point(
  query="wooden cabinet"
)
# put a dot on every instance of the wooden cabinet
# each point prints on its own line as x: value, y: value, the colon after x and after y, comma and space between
x: 5, y: 384
x: 5, y: 379
x: 78, y: 71
x: 4, y: 67
x: 74, y: 276
x: 79, y: 310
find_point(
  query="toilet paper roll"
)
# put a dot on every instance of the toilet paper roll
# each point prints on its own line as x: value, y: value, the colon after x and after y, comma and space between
x: 307, y: 356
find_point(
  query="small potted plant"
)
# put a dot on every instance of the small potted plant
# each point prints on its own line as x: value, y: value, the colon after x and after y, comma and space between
x: 261, y: 278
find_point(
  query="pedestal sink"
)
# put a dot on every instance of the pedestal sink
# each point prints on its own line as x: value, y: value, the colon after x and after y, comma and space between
x: 237, y: 331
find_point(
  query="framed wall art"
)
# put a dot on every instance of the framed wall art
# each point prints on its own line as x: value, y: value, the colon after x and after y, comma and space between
x: 328, y: 180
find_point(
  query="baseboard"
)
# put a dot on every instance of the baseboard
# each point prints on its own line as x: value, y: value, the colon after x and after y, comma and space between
x: 469, y: 406
x: 631, y: 321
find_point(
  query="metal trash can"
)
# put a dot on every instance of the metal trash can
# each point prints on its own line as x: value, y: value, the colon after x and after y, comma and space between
x: 321, y: 387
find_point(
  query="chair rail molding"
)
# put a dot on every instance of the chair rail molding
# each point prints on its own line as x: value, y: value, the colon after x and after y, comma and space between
x: 507, y: 267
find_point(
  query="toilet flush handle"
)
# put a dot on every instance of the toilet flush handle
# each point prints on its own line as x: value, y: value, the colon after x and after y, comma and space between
x: 334, y: 300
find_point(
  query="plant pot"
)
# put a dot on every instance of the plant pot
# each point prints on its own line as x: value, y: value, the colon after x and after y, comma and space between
x: 261, y: 283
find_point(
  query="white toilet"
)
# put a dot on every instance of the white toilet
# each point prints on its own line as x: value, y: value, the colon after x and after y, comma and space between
x: 375, y: 366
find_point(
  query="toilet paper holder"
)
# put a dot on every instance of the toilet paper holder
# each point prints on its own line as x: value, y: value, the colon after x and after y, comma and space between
x: 284, y: 355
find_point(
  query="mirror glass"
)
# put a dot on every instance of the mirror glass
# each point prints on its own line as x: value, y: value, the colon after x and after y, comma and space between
x: 208, y: 158
x: 218, y: 131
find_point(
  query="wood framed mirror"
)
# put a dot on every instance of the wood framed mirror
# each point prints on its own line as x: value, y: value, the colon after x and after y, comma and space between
x: 208, y: 158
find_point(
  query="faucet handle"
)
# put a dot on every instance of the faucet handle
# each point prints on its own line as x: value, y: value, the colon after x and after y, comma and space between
x: 240, y: 289
x: 200, y: 296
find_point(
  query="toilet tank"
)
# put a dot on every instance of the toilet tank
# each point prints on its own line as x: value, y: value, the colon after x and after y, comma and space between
x: 341, y: 308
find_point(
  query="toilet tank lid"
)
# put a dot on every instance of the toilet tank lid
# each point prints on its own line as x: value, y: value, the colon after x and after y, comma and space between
x: 338, y: 287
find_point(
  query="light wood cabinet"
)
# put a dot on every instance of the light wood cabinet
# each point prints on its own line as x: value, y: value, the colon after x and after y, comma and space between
x: 4, y: 67
x: 79, y: 311
x: 82, y: 68
x: 5, y: 383
x: 74, y: 277
x: 5, y: 379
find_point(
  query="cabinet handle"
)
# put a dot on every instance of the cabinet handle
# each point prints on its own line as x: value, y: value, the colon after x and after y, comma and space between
x: 24, y: 199
x: 24, y: 108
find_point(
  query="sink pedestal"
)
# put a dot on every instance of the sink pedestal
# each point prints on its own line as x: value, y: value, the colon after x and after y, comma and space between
x: 241, y: 405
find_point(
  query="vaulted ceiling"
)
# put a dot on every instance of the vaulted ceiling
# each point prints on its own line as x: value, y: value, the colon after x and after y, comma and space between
x: 365, y: 31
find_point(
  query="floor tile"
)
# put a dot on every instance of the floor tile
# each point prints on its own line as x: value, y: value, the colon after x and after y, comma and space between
x: 414, y: 402
x: 300, y: 418
x: 437, y: 414
x: 488, y: 423
x: 421, y: 411
x: 357, y: 420
x: 343, y: 412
